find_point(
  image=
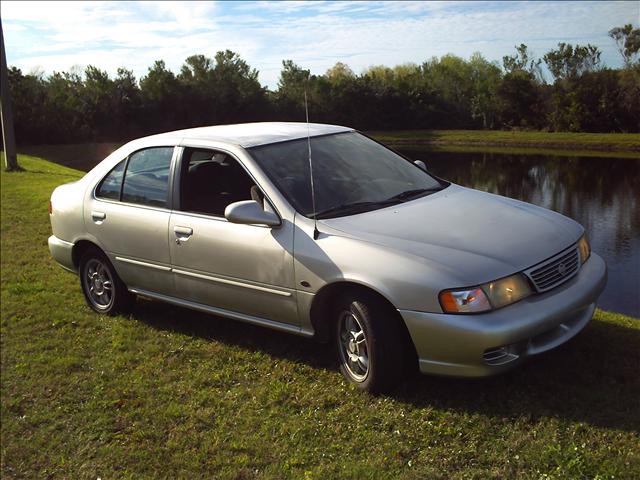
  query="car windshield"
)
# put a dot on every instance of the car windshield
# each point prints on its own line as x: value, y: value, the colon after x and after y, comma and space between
x: 351, y: 174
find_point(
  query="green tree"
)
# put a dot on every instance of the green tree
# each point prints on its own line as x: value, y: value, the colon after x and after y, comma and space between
x: 568, y: 62
x: 97, y: 93
x: 197, y: 87
x: 238, y: 95
x: 291, y: 89
x: 65, y: 109
x: 486, y: 77
x: 29, y: 95
x: 449, y: 78
x: 518, y: 97
x: 162, y: 99
x: 339, y: 72
x: 523, y: 61
x: 627, y: 39
x: 128, y: 101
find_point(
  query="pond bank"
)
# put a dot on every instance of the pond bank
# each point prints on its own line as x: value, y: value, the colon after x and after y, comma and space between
x: 620, y: 143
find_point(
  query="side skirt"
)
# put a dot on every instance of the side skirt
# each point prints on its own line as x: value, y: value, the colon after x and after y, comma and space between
x: 263, y: 322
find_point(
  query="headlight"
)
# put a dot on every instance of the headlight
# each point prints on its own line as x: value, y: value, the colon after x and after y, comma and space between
x: 464, y: 301
x: 584, y: 248
x: 507, y: 290
x: 487, y: 296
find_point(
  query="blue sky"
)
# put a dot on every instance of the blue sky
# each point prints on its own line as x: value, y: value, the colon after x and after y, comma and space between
x: 59, y: 36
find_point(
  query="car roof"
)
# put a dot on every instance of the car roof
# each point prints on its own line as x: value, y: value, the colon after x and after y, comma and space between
x: 254, y: 134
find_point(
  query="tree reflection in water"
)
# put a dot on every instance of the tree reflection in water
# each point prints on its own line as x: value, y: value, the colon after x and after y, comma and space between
x: 602, y: 194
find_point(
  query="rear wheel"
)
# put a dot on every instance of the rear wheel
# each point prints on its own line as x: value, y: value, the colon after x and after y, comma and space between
x: 102, y: 288
x: 368, y: 342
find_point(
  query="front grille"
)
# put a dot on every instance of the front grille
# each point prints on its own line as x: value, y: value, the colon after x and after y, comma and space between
x: 555, y: 271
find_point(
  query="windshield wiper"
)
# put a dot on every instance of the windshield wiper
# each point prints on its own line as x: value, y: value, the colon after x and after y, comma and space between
x: 359, y: 207
x: 356, y: 207
x: 409, y: 194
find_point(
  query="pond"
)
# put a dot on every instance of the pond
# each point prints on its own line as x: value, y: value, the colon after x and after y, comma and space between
x: 602, y: 194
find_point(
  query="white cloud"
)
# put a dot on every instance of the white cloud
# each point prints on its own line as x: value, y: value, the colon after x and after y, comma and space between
x: 56, y: 35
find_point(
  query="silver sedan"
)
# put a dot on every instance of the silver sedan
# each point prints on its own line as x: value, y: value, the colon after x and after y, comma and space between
x: 320, y: 231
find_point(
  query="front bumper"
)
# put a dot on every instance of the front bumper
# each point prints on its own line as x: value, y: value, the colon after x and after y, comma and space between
x: 489, y: 343
x: 62, y: 252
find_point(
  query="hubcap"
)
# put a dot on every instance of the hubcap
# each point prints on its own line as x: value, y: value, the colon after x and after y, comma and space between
x: 98, y: 284
x: 353, y: 346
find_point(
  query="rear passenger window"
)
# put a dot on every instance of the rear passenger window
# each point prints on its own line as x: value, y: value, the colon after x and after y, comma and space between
x: 146, y: 180
x: 111, y: 184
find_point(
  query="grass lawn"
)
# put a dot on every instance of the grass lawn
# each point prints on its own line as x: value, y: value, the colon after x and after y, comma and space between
x: 170, y: 393
x: 605, y: 142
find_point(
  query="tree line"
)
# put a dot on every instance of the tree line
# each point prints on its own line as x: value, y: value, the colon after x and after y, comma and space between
x: 441, y: 93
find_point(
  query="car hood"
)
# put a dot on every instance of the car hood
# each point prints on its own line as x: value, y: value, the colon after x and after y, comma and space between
x: 475, y: 236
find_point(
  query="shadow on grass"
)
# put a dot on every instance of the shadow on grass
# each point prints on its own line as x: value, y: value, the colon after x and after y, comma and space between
x: 595, y: 378
x: 171, y: 318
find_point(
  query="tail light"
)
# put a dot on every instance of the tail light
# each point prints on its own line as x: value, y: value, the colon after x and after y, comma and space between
x: 50, y: 208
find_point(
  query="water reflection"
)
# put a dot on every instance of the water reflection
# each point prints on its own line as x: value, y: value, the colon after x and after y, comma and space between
x: 603, y: 194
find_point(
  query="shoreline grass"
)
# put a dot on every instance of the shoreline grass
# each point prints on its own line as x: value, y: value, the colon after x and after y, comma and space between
x: 171, y: 393
x: 566, y: 141
x: 508, y: 150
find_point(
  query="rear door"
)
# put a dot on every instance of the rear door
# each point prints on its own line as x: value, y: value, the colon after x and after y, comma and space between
x: 129, y: 214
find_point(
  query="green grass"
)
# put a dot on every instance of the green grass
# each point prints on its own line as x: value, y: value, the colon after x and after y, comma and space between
x: 170, y: 393
x: 583, y: 142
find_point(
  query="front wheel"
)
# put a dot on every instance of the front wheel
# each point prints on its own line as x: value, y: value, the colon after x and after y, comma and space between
x: 369, y: 343
x: 102, y: 288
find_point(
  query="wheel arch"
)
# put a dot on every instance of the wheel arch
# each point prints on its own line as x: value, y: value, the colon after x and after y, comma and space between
x: 329, y: 294
x: 81, y: 246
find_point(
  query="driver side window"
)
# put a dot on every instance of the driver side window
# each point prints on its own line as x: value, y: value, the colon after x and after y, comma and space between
x: 211, y: 180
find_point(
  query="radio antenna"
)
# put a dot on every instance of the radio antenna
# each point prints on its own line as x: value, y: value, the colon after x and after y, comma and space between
x: 313, y: 193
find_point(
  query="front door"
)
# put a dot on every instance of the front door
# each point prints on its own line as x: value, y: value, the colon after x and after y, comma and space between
x: 247, y: 269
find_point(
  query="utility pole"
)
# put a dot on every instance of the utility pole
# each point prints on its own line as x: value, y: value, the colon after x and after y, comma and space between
x: 8, y: 133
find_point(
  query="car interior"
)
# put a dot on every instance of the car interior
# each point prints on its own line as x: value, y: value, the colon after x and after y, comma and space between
x: 212, y: 180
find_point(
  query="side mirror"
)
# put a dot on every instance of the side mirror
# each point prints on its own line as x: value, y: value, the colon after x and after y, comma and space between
x: 249, y: 212
x: 421, y: 164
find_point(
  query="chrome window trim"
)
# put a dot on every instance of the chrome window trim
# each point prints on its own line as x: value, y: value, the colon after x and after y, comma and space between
x: 136, y: 205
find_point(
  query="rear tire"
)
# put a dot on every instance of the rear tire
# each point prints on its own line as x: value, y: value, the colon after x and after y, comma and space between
x: 103, y: 290
x: 368, y: 341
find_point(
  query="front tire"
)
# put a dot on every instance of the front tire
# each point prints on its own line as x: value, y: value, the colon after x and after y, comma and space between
x: 368, y: 341
x: 103, y: 290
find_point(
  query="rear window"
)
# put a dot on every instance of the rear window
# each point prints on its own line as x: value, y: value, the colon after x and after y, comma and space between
x: 112, y: 183
x: 146, y: 180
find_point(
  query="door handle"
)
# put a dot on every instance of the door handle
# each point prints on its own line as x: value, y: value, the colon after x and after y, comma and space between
x: 98, y: 216
x: 182, y: 233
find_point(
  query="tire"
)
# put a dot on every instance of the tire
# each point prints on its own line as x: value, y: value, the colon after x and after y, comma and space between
x: 103, y: 290
x: 369, y: 343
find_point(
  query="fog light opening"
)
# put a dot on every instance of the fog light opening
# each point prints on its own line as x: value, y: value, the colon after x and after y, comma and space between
x: 500, y: 355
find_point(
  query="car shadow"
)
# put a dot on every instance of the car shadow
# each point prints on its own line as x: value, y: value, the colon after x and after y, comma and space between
x: 594, y: 378
x: 166, y: 317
